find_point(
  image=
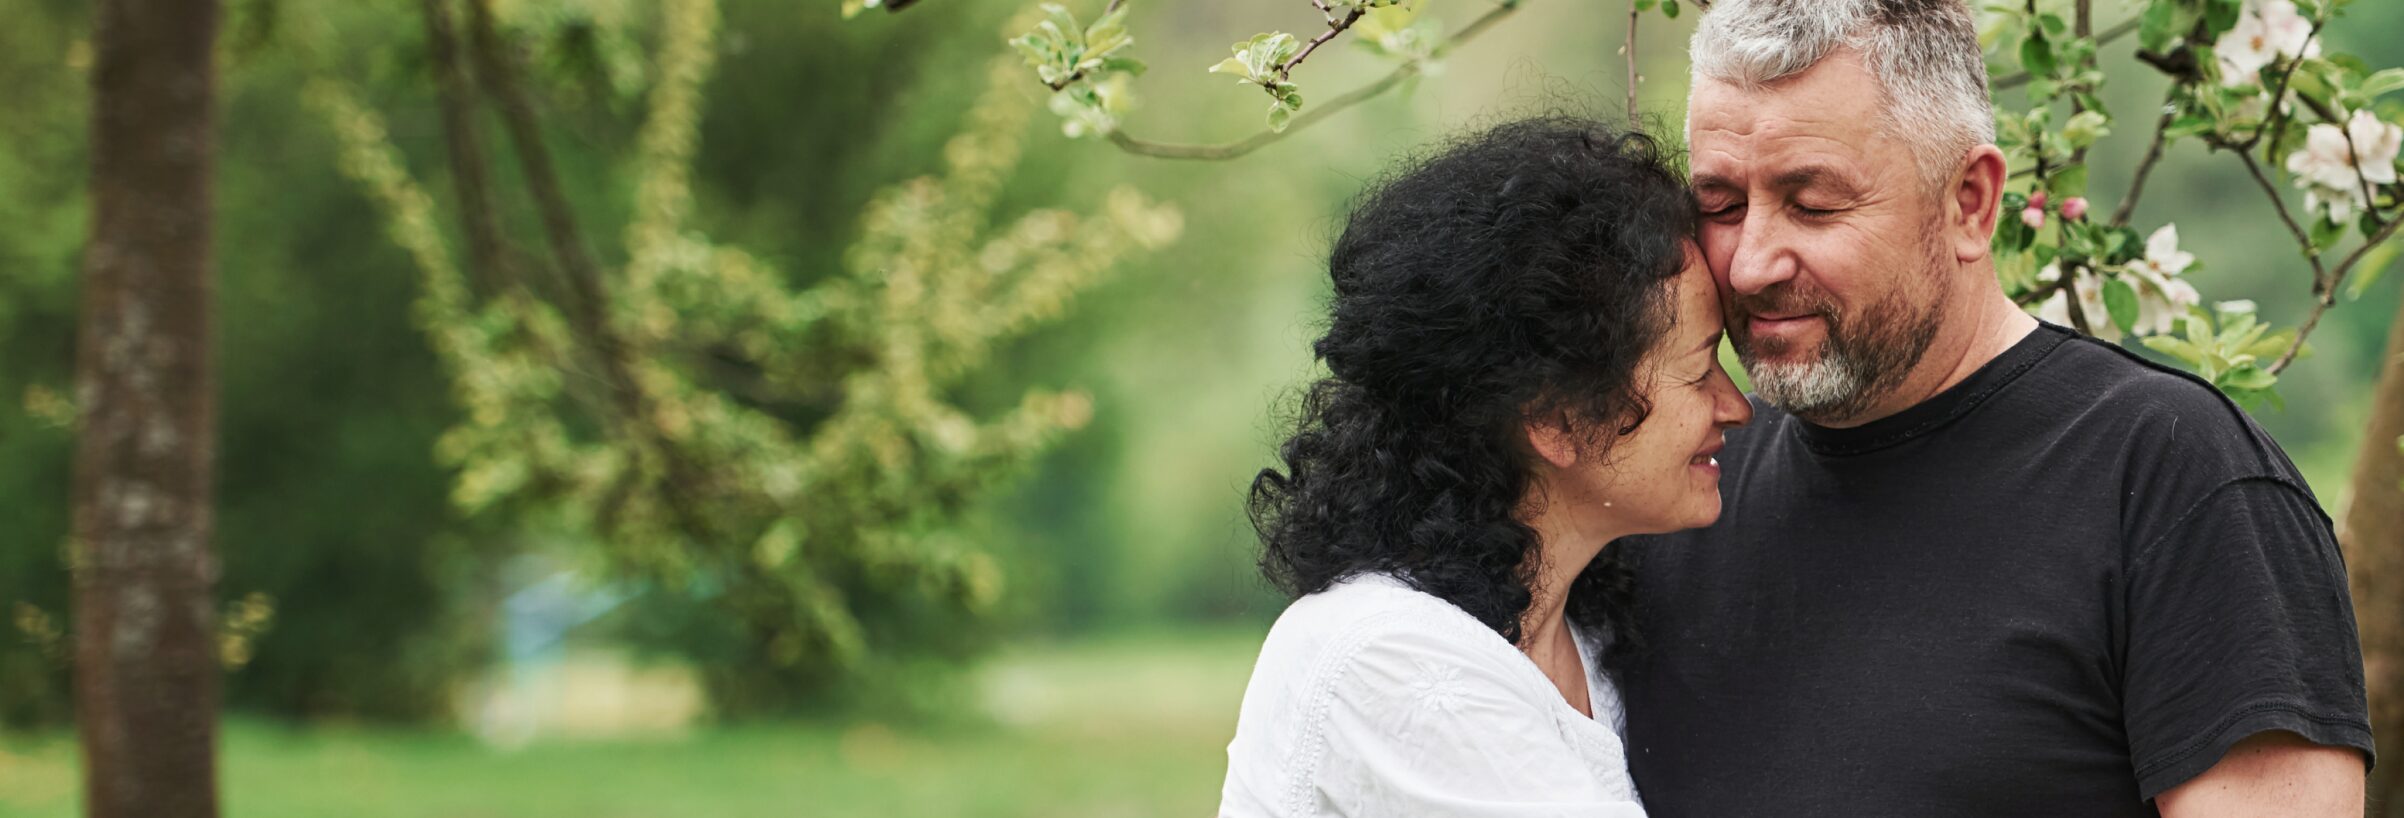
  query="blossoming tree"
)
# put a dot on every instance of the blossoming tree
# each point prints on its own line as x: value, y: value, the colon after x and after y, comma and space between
x: 2253, y: 80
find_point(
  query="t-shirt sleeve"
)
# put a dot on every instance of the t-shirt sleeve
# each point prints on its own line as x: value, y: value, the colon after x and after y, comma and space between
x: 2238, y: 623
x: 1418, y: 726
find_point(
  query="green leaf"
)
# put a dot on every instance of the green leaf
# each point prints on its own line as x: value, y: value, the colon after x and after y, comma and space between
x: 2093, y: 102
x: 2311, y: 78
x: 1256, y: 59
x: 1063, y: 24
x: 2174, y: 347
x: 2248, y: 377
x: 1279, y: 115
x: 2054, y: 25
x: 2121, y: 246
x: 2385, y: 81
x: 1108, y: 34
x: 2220, y: 16
x: 1129, y: 65
x: 2199, y: 333
x: 2325, y: 233
x: 2120, y: 300
x: 1669, y: 8
x: 2036, y: 55
x: 2188, y: 125
x: 1378, y: 23
x: 2270, y: 346
x: 1645, y: 5
x: 1032, y: 47
x: 2154, y: 30
x: 2067, y: 182
x: 2085, y: 127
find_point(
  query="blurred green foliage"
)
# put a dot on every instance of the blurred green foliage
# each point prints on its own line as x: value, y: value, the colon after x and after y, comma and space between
x: 336, y: 506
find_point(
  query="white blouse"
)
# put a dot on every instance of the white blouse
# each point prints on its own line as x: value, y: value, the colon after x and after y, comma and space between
x: 1374, y: 699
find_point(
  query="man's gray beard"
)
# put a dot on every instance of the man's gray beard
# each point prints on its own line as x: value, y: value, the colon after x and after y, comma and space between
x: 1809, y: 389
x: 1856, y: 366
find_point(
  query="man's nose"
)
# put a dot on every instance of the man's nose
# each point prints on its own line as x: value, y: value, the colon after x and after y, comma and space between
x: 1761, y: 259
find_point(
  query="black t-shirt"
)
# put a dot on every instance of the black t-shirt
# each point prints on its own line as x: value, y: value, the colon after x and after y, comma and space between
x: 2059, y: 588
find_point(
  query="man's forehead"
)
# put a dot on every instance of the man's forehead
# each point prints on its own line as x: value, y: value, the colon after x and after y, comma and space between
x: 1729, y: 127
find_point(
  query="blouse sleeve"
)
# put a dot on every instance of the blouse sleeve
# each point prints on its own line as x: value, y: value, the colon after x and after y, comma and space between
x: 1417, y: 725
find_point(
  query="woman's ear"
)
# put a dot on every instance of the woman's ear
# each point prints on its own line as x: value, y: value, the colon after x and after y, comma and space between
x: 1553, y: 441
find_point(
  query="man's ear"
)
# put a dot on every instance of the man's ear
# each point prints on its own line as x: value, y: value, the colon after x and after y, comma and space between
x: 1974, y: 203
x: 1552, y: 440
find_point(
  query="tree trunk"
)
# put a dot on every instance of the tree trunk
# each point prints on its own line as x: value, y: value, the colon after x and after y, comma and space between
x: 2373, y: 534
x: 145, y: 659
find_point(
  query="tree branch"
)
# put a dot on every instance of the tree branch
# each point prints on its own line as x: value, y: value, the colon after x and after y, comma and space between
x: 2326, y: 296
x: 2145, y: 168
x: 631, y: 405
x: 2370, y: 201
x: 495, y: 67
x: 2116, y: 32
x: 2302, y: 238
x: 2082, y: 26
x: 2278, y: 100
x: 470, y: 175
x: 1230, y: 150
x: 1629, y: 49
x: 1334, y: 27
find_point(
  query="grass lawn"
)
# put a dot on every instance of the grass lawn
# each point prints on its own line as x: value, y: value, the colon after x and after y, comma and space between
x: 1133, y: 726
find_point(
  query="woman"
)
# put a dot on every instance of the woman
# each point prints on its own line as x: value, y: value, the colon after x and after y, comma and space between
x: 1523, y: 351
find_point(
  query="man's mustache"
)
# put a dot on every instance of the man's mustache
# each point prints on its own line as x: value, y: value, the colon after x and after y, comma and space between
x: 1783, y: 300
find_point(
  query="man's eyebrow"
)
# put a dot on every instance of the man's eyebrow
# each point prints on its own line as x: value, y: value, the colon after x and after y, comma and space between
x: 1810, y: 176
x: 1708, y: 179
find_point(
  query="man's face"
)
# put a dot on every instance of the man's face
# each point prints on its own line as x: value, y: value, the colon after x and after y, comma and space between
x: 1824, y: 239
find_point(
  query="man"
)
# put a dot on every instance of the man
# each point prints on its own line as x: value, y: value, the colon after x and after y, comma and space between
x: 1972, y: 564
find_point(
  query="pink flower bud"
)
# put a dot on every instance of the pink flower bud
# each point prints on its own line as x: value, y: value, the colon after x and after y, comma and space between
x: 2074, y: 208
x: 2036, y: 201
x: 2033, y: 217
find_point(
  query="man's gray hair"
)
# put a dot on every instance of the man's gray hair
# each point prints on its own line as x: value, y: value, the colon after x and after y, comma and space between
x: 1924, y: 53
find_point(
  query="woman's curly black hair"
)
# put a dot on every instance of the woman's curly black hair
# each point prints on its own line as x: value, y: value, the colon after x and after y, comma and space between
x: 1519, y: 273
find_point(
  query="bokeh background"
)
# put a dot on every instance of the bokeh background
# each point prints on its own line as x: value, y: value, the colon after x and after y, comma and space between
x: 397, y: 657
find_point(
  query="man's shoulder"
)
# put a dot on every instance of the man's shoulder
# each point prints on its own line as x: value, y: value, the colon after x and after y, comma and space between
x: 2092, y: 387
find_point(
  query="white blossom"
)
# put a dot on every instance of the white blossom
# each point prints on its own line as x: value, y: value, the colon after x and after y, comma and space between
x: 2333, y: 176
x: 2266, y: 31
x: 2089, y: 293
x: 2162, y: 296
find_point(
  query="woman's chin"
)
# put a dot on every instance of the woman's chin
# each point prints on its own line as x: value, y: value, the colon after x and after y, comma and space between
x: 1705, y: 513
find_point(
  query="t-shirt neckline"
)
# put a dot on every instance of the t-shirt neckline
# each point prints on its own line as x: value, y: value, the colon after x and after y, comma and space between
x: 1947, y: 406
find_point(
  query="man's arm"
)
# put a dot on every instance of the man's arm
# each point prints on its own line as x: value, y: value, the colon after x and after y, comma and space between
x: 2272, y: 773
